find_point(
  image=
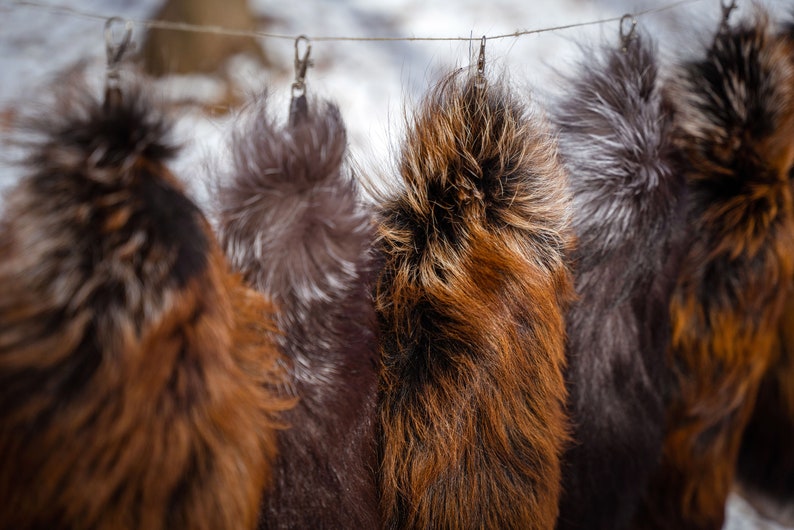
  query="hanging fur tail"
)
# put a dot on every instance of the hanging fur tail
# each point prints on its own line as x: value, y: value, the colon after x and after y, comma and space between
x: 766, y: 460
x: 615, y: 138
x: 734, y: 126
x: 471, y: 300
x: 128, y: 397
x: 292, y: 223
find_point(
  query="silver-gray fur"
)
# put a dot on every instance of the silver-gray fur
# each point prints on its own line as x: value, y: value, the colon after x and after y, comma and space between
x: 615, y: 139
x: 291, y: 221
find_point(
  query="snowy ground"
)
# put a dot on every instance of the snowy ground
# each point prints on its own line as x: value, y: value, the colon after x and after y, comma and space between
x: 371, y: 81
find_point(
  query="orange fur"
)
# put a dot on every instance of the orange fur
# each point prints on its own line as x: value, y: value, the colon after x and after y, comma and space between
x: 735, y: 133
x: 137, y: 375
x: 470, y: 302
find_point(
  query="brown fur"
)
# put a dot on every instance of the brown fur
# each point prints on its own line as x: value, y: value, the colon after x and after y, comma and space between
x: 135, y: 371
x: 766, y: 461
x: 735, y: 124
x: 471, y: 301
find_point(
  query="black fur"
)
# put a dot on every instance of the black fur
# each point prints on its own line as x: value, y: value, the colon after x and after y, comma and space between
x: 765, y: 469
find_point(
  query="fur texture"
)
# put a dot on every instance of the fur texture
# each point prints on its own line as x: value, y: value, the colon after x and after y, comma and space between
x: 470, y: 302
x: 132, y: 393
x: 615, y: 138
x: 734, y: 126
x: 766, y: 460
x: 291, y: 222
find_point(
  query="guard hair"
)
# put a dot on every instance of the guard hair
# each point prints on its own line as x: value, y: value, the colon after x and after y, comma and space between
x: 766, y: 460
x: 292, y: 223
x: 734, y: 124
x: 137, y: 376
x: 614, y: 135
x: 470, y: 301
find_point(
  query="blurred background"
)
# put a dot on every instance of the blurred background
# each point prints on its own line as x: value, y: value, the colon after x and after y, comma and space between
x: 206, y: 77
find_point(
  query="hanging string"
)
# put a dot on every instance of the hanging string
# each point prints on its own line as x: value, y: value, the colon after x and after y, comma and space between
x: 182, y: 26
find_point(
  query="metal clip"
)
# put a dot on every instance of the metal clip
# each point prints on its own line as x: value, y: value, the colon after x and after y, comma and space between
x: 115, y: 52
x: 726, y: 15
x: 480, y: 80
x: 625, y: 38
x: 301, y: 65
x: 298, y: 108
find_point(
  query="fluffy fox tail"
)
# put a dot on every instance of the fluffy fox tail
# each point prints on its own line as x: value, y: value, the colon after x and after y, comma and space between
x: 471, y: 301
x: 291, y: 221
x: 132, y: 395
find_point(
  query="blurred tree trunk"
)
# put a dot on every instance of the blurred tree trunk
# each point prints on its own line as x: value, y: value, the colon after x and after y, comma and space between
x: 168, y: 51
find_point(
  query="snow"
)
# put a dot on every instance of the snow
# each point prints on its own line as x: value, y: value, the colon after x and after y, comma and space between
x: 372, y: 82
